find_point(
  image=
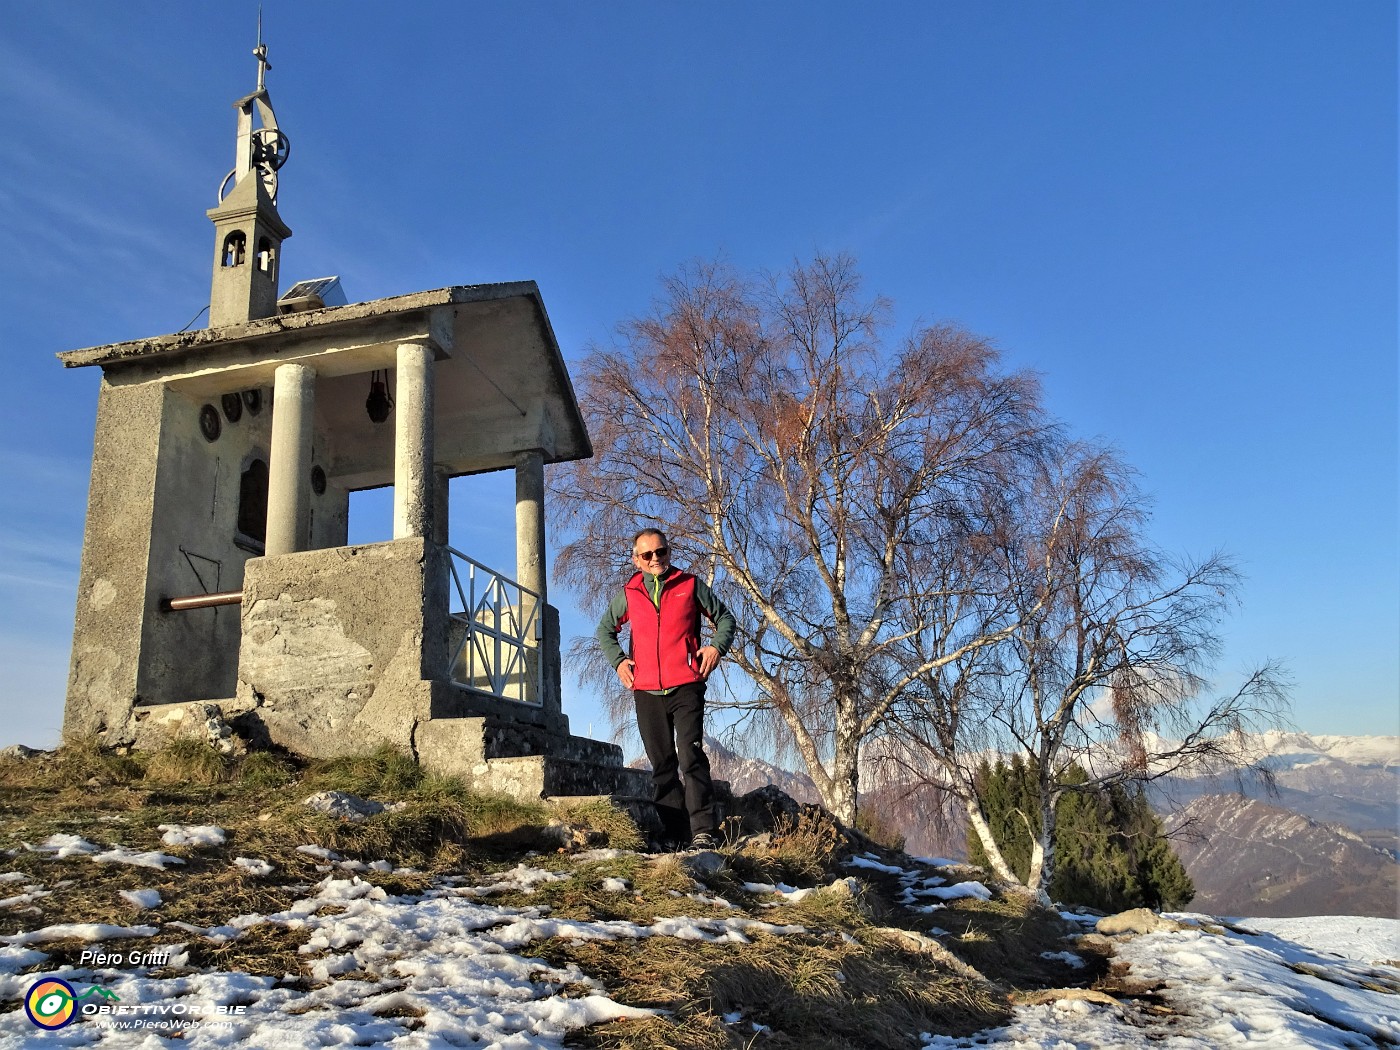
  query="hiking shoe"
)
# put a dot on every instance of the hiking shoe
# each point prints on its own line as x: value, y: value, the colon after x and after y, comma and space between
x: 704, y: 840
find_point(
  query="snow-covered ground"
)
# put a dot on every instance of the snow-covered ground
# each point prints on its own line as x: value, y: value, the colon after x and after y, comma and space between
x: 449, y: 969
x: 1277, y: 983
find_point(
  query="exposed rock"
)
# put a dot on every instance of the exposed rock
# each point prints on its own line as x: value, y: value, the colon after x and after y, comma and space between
x: 558, y: 835
x: 1050, y: 995
x: 348, y: 807
x: 20, y: 751
x: 852, y: 888
x: 912, y: 941
x: 703, y: 864
x: 1136, y: 921
x: 762, y: 808
x: 217, y: 731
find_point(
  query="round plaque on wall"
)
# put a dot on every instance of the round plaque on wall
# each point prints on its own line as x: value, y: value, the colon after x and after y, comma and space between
x: 209, y: 424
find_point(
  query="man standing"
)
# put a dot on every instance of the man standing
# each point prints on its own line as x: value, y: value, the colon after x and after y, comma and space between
x: 666, y: 672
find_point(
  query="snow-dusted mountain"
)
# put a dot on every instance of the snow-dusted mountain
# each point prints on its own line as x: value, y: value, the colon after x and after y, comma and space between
x: 1353, y: 782
x: 1249, y: 857
x: 1322, y: 838
x: 745, y: 774
x: 1285, y: 750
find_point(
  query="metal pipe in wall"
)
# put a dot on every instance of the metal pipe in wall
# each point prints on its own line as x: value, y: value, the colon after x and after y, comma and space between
x: 201, y: 601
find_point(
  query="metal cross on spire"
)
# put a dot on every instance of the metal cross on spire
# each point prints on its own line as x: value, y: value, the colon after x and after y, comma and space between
x: 262, y: 150
x: 261, y: 53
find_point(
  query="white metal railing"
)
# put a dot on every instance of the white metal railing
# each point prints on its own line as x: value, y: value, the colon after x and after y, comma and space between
x: 494, y: 633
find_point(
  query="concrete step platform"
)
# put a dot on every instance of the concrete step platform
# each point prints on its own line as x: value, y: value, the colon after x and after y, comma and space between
x: 545, y: 776
x: 448, y: 744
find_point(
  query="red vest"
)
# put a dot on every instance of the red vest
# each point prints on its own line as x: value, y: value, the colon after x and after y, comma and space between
x: 664, y: 640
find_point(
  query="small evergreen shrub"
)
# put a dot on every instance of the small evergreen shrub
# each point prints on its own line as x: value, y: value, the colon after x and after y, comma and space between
x: 1110, y: 852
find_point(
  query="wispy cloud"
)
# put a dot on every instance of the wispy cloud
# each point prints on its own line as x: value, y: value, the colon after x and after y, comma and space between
x: 70, y: 114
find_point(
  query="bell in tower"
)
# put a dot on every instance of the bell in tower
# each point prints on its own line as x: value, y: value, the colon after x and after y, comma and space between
x: 248, y: 232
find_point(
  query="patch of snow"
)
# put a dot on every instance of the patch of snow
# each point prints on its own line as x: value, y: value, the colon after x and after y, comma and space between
x: 253, y: 865
x: 143, y: 899
x: 122, y: 855
x: 957, y: 890
x: 63, y: 846
x: 192, y: 835
x: 31, y: 893
x: 1345, y: 936
x: 81, y: 931
x: 874, y: 864
x: 1065, y: 957
x: 1269, y: 984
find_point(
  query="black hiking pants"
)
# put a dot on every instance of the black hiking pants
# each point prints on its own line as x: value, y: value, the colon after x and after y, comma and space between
x: 672, y: 729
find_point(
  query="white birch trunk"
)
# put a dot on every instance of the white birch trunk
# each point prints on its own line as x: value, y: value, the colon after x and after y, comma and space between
x: 978, y: 821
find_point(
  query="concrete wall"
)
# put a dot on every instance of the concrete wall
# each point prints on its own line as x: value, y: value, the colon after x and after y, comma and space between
x: 194, y: 655
x: 195, y: 547
x: 116, y: 544
x: 339, y: 646
x: 162, y: 521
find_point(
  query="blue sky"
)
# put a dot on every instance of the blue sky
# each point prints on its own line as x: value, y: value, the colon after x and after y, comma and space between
x: 1182, y: 215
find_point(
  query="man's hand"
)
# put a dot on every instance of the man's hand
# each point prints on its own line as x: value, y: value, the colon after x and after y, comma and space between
x: 627, y: 672
x: 709, y: 658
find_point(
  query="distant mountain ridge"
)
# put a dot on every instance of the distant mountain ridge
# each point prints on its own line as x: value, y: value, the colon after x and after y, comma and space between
x: 1247, y: 857
x: 745, y: 774
x: 1290, y: 749
x: 1322, y: 839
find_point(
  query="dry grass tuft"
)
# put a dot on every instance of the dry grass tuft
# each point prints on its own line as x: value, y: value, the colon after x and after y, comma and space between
x: 188, y: 762
x: 265, y: 950
x: 263, y: 770
x: 801, y: 852
x: 383, y: 772
x: 602, y: 815
x: 813, y: 992
x: 877, y: 830
x: 79, y: 762
x: 657, y: 888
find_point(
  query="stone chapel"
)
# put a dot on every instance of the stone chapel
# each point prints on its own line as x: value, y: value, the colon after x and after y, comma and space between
x: 215, y: 566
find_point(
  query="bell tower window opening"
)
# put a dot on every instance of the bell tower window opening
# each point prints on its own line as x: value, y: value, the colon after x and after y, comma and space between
x: 235, y: 248
x: 267, y: 257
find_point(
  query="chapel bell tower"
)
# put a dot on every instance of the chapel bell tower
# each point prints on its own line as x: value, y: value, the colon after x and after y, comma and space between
x: 248, y: 232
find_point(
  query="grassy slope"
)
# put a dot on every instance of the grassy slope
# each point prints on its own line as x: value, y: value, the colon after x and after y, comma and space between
x: 864, y: 975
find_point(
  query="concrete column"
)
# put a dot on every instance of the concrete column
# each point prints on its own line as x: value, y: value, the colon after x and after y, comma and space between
x: 413, y: 442
x: 529, y: 522
x: 441, y: 491
x: 289, y: 472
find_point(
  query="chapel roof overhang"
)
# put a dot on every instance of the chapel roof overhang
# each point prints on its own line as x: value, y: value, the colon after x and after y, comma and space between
x: 499, y: 363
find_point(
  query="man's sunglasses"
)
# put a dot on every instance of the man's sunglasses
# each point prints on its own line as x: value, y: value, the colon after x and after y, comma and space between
x: 660, y: 552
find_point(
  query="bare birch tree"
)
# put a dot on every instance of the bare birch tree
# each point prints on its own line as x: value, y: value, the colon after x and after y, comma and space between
x: 824, y: 481
x: 1107, y: 669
